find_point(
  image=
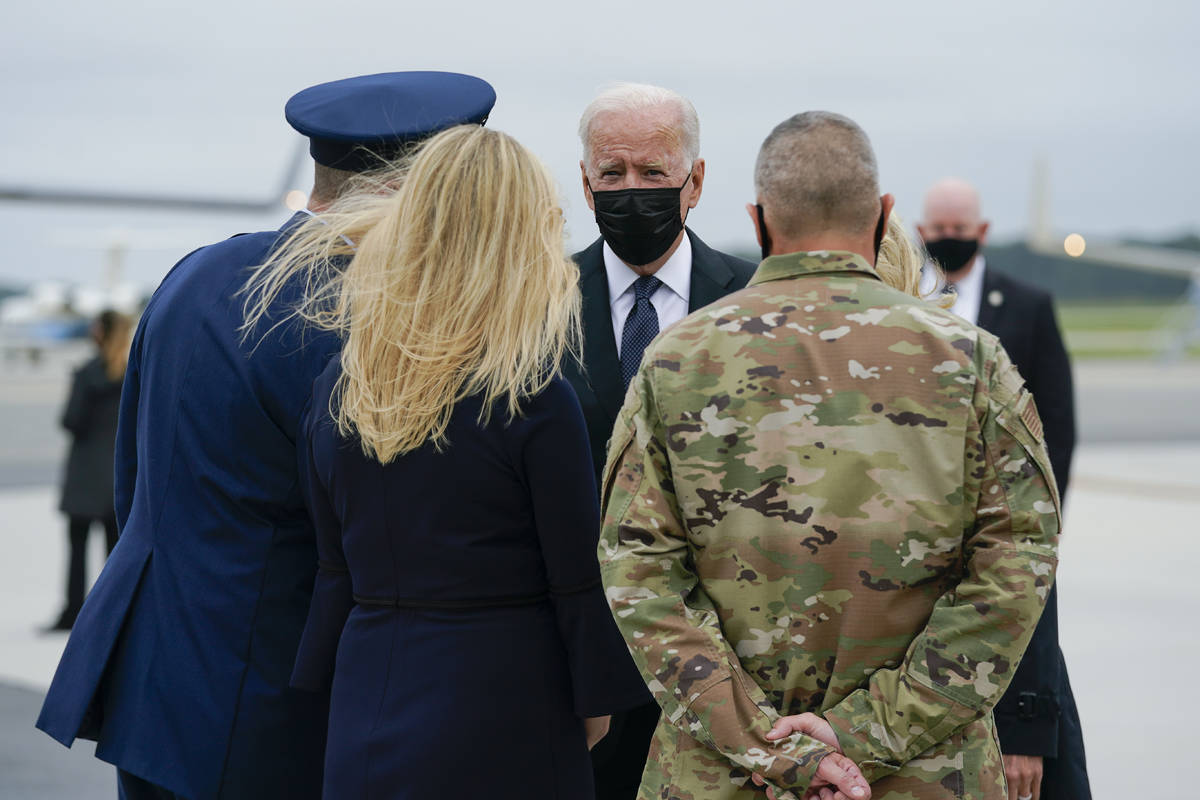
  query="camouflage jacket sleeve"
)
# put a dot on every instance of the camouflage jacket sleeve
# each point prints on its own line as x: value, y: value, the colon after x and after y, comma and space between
x: 669, y: 623
x: 959, y: 665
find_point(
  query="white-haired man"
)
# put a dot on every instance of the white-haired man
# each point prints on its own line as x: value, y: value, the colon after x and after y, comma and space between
x: 642, y: 173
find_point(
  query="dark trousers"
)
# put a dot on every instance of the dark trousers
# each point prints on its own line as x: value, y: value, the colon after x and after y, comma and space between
x: 77, y: 533
x: 1065, y: 777
x: 619, y: 758
x: 131, y: 787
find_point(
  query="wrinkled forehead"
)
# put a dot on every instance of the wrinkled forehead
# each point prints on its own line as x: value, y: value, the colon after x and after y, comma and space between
x: 638, y: 136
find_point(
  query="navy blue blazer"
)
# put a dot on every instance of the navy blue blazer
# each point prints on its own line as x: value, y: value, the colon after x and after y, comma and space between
x: 460, y: 591
x: 179, y: 662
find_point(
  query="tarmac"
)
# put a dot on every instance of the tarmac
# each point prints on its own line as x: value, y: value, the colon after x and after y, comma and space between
x: 1129, y: 596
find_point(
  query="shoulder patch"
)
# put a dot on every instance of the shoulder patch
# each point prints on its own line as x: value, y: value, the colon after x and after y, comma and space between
x: 1031, y: 419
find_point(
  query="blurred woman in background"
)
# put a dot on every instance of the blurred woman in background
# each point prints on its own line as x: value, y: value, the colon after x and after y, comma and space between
x: 91, y: 419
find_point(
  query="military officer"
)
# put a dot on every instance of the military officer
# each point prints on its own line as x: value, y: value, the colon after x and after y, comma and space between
x: 830, y: 523
x: 179, y: 662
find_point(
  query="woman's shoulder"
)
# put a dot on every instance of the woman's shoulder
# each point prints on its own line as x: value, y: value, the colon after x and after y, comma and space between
x: 556, y: 396
x: 551, y: 408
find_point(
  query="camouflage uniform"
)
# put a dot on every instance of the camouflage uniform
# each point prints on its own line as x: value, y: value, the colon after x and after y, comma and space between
x: 825, y: 495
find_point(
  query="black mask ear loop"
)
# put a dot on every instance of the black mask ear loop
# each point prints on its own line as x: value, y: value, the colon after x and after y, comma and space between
x: 879, y: 234
x: 762, y: 231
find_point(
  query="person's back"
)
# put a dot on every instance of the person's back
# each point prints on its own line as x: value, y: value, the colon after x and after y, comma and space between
x: 822, y: 483
x: 212, y: 524
x: 448, y: 473
x: 475, y: 603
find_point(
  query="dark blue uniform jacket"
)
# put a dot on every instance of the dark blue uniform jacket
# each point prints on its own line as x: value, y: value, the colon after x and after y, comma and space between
x: 179, y: 662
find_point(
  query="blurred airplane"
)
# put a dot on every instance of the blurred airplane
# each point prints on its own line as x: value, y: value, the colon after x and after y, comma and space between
x: 284, y: 194
x: 53, y: 311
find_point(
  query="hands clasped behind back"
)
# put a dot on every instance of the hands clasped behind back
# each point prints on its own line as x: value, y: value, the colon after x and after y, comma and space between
x: 837, y: 778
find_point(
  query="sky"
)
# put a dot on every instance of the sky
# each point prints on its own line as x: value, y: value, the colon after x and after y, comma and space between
x: 188, y: 98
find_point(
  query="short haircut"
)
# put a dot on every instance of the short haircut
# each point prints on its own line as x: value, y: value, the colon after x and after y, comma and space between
x: 643, y: 97
x: 816, y: 173
x: 329, y: 183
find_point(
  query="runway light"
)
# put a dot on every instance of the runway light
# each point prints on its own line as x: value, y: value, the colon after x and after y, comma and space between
x: 1074, y: 245
x: 295, y: 200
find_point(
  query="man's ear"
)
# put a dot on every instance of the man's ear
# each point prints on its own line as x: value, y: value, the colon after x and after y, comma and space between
x: 887, y: 202
x: 983, y: 232
x: 587, y: 187
x: 697, y: 181
x: 752, y: 210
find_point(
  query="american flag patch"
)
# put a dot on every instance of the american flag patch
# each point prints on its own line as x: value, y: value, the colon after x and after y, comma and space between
x: 1031, y: 419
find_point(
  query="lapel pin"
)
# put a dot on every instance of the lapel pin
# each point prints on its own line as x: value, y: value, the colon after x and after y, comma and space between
x: 995, y: 297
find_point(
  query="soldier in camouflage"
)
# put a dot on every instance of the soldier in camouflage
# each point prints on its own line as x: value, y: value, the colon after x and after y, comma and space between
x: 829, y: 501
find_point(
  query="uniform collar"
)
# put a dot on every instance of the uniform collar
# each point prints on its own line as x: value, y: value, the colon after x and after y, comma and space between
x: 792, y: 265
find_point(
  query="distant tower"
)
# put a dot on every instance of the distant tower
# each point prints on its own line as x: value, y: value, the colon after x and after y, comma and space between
x: 1040, y: 232
x: 114, y: 274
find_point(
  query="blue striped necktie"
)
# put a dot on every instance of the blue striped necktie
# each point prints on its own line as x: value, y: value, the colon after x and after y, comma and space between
x: 641, y: 326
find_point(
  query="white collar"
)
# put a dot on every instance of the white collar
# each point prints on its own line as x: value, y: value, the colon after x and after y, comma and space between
x: 345, y: 238
x: 973, y: 283
x: 676, y: 274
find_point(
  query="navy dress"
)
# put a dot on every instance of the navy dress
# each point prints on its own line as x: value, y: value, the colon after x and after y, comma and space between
x: 458, y: 609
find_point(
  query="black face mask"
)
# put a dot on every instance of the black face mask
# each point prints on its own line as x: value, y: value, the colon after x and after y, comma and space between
x: 952, y: 254
x: 766, y: 237
x: 878, y: 235
x: 762, y: 231
x: 639, y: 224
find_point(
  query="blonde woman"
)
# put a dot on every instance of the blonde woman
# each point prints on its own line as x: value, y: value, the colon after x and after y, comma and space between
x: 458, y: 610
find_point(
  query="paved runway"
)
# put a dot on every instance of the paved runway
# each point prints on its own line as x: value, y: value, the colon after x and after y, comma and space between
x: 1117, y: 401
x: 1129, y: 596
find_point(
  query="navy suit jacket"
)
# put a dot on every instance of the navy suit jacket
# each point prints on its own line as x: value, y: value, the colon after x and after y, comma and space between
x: 598, y: 382
x: 1022, y: 317
x: 179, y: 662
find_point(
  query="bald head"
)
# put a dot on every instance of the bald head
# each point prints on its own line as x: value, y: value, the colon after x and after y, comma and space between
x: 816, y: 174
x: 951, y: 198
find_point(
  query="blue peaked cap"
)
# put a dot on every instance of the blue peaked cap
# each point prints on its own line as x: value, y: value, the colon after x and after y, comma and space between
x: 355, y: 122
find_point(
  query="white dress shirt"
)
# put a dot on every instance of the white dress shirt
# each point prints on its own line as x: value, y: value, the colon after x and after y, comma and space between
x: 969, y: 291
x: 670, y: 300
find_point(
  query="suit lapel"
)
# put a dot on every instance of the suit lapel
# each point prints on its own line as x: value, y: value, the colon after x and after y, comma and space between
x: 601, y: 369
x: 710, y: 275
x: 988, y: 311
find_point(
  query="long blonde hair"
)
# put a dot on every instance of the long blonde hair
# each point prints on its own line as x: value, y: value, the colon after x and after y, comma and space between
x: 457, y: 284
x: 901, y: 260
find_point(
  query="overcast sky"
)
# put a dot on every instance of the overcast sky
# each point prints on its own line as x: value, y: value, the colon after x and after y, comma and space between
x: 188, y: 98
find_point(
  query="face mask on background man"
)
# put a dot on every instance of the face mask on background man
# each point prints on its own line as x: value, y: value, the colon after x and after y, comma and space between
x: 952, y: 254
x: 639, y: 224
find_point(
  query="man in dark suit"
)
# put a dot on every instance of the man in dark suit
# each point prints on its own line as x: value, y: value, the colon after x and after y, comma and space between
x: 641, y: 175
x: 179, y: 663
x: 1037, y: 720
